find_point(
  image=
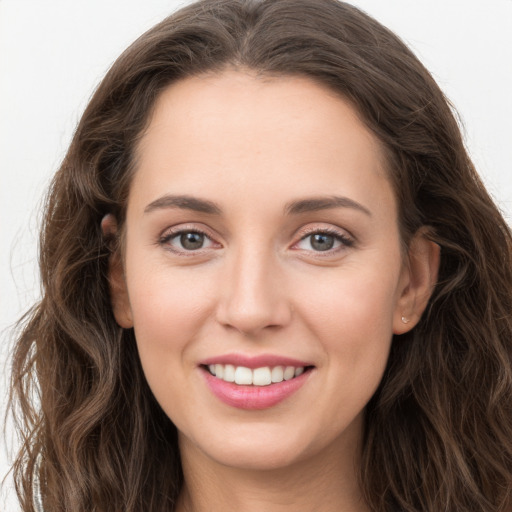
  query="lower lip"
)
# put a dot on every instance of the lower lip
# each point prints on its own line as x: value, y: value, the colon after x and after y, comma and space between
x: 254, y: 397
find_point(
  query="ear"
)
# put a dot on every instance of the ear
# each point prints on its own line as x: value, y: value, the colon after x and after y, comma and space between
x: 117, y: 283
x: 417, y: 281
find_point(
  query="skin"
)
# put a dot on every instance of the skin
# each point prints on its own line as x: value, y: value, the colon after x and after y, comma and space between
x: 252, y: 146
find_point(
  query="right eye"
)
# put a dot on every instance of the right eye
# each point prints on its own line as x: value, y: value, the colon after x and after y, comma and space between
x: 187, y: 240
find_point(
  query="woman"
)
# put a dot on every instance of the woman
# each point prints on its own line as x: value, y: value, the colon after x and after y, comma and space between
x: 272, y: 281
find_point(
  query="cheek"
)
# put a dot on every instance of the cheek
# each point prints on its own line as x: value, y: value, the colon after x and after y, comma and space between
x: 166, y: 301
x: 165, y: 315
x: 359, y: 298
x: 351, y: 316
x: 168, y: 308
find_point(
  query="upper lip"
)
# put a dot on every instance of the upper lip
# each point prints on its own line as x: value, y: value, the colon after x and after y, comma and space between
x: 258, y: 361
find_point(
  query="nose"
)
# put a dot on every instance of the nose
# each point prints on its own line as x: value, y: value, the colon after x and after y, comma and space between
x: 253, y: 297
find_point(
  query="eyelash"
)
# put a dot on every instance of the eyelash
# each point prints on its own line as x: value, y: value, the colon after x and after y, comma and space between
x: 165, y: 240
x: 344, y: 240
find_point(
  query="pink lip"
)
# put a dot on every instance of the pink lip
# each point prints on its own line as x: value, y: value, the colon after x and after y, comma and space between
x: 255, y: 361
x: 253, y: 397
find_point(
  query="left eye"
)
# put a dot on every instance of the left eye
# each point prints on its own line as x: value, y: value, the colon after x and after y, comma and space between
x: 322, y: 241
x: 188, y: 241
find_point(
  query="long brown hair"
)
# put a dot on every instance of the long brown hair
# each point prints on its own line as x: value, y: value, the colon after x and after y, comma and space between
x: 438, y: 433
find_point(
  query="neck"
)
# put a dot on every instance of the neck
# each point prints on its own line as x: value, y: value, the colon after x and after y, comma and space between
x: 323, y: 483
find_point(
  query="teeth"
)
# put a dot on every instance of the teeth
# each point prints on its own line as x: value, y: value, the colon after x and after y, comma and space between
x: 277, y: 374
x: 243, y: 375
x: 229, y: 373
x: 258, y: 377
x: 261, y: 376
x: 219, y: 371
x: 289, y: 373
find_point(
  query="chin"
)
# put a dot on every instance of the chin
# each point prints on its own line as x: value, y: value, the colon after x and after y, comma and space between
x: 258, y: 447
x: 257, y: 458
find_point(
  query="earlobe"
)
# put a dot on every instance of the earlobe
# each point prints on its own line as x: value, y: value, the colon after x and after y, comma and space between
x: 419, y: 278
x: 117, y: 283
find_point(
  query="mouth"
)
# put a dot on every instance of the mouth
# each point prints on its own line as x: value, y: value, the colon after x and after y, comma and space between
x: 252, y: 388
x: 255, y: 382
x: 262, y: 376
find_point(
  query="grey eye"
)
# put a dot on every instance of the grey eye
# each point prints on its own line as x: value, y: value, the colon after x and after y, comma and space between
x: 322, y: 241
x: 191, y: 240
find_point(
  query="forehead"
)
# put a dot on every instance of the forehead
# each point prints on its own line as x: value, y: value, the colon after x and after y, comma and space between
x: 254, y: 101
x: 238, y: 131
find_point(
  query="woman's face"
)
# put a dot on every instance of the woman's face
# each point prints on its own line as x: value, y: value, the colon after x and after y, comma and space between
x: 261, y: 242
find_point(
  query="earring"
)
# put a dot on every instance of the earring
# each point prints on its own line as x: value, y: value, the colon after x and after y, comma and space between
x: 405, y: 320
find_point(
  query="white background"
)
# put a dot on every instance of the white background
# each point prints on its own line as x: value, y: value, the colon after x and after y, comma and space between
x: 54, y: 52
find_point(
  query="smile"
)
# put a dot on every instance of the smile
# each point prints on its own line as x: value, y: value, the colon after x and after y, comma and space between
x: 255, y: 387
x: 263, y: 376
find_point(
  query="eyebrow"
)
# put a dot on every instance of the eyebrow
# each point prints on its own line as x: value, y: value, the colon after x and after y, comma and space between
x: 324, y: 203
x: 184, y: 203
x: 310, y: 204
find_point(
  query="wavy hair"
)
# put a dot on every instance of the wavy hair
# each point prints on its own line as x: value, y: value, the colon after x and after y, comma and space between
x: 438, y: 432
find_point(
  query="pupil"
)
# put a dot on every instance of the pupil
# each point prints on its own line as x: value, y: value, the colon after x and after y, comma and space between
x: 192, y: 241
x: 322, y: 242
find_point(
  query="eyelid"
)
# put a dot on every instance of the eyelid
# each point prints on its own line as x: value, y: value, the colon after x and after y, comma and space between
x: 174, y: 231
x: 346, y: 239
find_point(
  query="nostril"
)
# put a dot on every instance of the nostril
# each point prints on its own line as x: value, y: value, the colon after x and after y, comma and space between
x: 249, y: 317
